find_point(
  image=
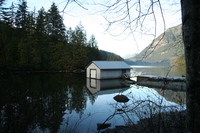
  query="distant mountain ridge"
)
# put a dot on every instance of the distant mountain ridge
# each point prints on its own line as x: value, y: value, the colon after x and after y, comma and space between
x: 109, y: 56
x: 129, y: 55
x: 164, y: 50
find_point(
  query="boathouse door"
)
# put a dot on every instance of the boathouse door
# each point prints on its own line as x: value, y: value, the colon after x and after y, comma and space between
x: 93, y: 73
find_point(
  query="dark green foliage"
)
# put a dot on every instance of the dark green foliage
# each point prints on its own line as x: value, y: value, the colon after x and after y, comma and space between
x: 32, y: 41
x: 21, y: 17
x: 93, y: 51
x: 78, y: 43
x: 110, y: 56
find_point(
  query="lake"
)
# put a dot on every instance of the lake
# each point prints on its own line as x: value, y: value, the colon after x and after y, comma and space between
x: 161, y: 70
x: 68, y: 102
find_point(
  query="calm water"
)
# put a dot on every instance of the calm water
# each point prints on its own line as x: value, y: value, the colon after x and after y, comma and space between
x: 64, y: 102
x: 161, y: 70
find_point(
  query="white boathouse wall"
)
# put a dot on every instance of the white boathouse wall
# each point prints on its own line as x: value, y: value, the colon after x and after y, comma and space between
x: 95, y: 72
x: 93, y: 68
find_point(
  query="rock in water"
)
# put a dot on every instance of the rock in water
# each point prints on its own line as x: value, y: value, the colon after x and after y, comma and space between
x: 103, y: 125
x: 121, y: 98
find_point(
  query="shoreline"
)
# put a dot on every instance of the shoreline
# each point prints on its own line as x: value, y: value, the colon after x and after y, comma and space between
x: 40, y: 71
x: 162, y: 82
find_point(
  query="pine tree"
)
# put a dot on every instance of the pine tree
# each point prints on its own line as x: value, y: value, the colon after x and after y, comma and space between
x: 2, y: 9
x: 41, y: 22
x: 55, y: 27
x: 29, y: 54
x: 56, y: 31
x: 93, y: 53
x: 41, y: 35
x: 7, y: 14
x: 35, y: 52
x: 8, y: 37
x: 21, y: 15
x: 68, y: 64
x: 79, y: 51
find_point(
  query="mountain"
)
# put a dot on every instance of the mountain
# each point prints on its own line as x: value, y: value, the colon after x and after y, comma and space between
x: 164, y: 50
x: 129, y: 55
x: 109, y: 56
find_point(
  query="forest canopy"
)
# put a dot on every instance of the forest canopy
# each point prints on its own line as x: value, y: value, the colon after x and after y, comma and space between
x: 39, y: 40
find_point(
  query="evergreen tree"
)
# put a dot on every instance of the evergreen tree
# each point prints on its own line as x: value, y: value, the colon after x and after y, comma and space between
x: 23, y: 46
x: 2, y: 45
x: 7, y: 14
x: 79, y: 51
x: 69, y: 54
x: 56, y: 31
x: 28, y: 48
x: 55, y: 27
x: 35, y: 52
x: 24, y: 53
x: 10, y: 16
x: 93, y: 51
x: 21, y: 15
x: 41, y: 35
x: 40, y: 42
x: 1, y: 10
x: 41, y: 22
x: 8, y: 38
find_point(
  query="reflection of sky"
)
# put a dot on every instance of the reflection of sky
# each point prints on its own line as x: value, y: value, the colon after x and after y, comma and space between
x: 104, y: 106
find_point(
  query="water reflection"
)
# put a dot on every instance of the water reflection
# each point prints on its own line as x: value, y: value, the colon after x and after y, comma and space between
x: 39, y: 100
x: 100, y: 87
x: 65, y: 103
x: 148, y: 111
x: 161, y: 70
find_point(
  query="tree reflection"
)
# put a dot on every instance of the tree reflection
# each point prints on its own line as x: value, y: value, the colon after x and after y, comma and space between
x: 147, y: 111
x: 39, y: 101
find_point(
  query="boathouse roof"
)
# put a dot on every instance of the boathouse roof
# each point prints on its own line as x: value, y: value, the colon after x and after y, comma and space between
x: 111, y: 65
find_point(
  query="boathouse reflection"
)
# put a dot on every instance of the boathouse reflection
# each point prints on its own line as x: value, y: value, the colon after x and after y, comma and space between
x: 108, y: 86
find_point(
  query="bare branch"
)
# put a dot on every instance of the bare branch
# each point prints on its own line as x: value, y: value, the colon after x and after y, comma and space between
x: 155, y: 31
x: 66, y: 5
x: 75, y: 1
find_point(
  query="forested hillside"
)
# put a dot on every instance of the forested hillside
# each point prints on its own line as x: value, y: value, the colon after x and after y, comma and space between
x: 39, y: 40
x: 164, y: 50
x: 110, y: 56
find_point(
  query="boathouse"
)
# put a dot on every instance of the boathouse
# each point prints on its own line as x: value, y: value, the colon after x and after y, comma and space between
x: 107, y: 69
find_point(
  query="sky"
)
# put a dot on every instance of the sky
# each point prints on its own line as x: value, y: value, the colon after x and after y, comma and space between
x: 94, y: 23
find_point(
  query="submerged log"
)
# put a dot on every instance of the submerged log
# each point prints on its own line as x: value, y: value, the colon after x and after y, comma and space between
x: 121, y: 98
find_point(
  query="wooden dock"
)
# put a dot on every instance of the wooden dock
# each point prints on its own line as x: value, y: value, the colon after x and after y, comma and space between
x: 162, y: 82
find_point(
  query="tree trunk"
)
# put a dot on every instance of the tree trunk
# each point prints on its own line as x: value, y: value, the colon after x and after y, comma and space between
x: 191, y: 37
